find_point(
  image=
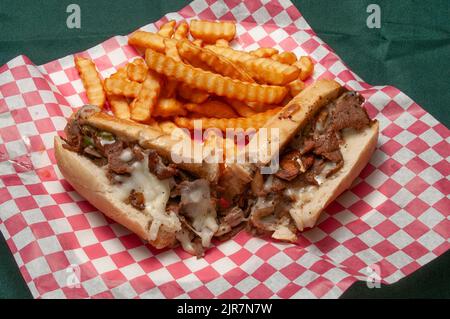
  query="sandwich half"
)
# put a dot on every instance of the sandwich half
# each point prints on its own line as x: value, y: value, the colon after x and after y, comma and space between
x: 127, y: 170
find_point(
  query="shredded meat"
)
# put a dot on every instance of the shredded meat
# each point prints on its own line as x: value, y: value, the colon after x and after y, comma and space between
x: 315, y: 170
x: 327, y: 145
x: 290, y: 165
x: 115, y: 164
x: 136, y: 199
x: 74, y: 137
x: 264, y: 207
x: 274, y: 185
x: 157, y: 167
x: 198, y: 248
x: 307, y: 161
x: 348, y: 112
x: 137, y: 153
x: 257, y: 184
x: 234, y: 217
x: 321, y: 139
x: 230, y: 234
x: 308, y: 146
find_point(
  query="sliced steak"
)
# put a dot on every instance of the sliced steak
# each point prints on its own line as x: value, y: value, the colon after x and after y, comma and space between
x: 137, y: 153
x: 315, y: 170
x: 157, y: 166
x: 257, y: 184
x: 308, y: 146
x: 326, y: 143
x: 289, y: 165
x: 234, y: 217
x: 348, y: 112
x: 137, y: 200
x: 274, y: 184
x: 74, y: 138
x: 115, y: 164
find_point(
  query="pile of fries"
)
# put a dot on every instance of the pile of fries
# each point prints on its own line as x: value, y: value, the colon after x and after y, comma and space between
x: 181, y: 79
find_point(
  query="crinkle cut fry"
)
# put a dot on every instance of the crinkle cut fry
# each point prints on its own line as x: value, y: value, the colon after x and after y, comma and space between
x: 147, y: 40
x: 264, y: 70
x: 167, y: 29
x: 143, y: 105
x: 121, y: 86
x: 210, y: 31
x: 255, y: 121
x: 91, y: 81
x: 210, y: 61
x: 214, y: 83
x: 181, y: 31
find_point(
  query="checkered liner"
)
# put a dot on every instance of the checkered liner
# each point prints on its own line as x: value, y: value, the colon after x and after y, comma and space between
x: 395, y: 218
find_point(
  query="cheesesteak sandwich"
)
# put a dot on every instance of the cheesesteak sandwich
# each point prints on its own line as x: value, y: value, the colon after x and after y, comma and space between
x: 127, y: 171
x: 326, y: 139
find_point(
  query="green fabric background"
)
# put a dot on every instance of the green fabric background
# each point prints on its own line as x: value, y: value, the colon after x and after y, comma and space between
x: 411, y: 51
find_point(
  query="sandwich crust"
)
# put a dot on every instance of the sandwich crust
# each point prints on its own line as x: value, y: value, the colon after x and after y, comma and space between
x: 90, y: 181
x: 151, y: 138
x: 356, y: 151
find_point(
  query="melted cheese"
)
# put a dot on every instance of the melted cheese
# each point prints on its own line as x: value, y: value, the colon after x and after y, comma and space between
x: 126, y: 155
x: 156, y: 194
x: 185, y: 240
x: 197, y: 205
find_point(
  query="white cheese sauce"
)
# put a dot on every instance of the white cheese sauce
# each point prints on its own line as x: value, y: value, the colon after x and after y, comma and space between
x: 156, y: 194
x: 126, y: 155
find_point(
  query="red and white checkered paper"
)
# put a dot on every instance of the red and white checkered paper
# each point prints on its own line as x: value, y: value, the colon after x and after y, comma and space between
x: 395, y: 217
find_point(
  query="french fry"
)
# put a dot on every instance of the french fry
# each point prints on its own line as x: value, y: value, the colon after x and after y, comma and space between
x: 137, y: 70
x: 214, y: 83
x: 295, y: 87
x: 264, y: 52
x: 147, y: 40
x: 118, y: 103
x: 212, y: 108
x: 170, y: 88
x: 167, y: 107
x: 167, y: 29
x: 143, y: 105
x: 121, y: 73
x: 171, y: 49
x: 198, y: 42
x: 210, y: 32
x: 263, y: 70
x: 172, y: 52
x: 190, y: 94
x: 91, y: 81
x: 181, y: 31
x: 222, y: 43
x: 306, y: 66
x: 241, y: 108
x: 119, y: 106
x: 210, y: 61
x: 120, y: 86
x: 255, y: 121
x: 286, y: 57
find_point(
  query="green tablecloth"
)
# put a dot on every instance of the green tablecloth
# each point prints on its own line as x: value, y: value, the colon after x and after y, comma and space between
x: 411, y: 51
